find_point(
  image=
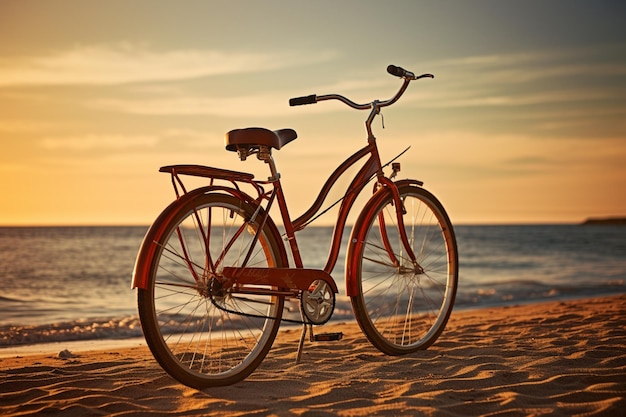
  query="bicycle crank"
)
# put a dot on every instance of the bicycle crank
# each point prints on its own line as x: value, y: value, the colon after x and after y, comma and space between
x: 318, y: 302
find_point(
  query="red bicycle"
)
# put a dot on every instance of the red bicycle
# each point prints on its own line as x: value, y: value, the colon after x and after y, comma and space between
x: 213, y: 271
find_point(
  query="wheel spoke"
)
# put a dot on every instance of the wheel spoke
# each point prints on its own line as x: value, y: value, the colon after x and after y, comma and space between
x: 404, y: 305
x: 194, y: 340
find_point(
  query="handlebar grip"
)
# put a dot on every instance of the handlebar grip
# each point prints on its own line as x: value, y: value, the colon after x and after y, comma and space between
x: 397, y: 71
x: 400, y: 72
x: 299, y: 101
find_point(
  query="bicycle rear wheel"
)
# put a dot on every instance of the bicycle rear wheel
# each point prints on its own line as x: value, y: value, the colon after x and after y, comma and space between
x: 402, y: 307
x: 200, y: 333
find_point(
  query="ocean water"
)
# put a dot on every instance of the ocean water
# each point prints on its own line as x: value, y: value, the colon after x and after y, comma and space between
x: 73, y: 283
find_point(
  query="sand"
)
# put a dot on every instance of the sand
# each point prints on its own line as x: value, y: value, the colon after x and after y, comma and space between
x: 558, y: 358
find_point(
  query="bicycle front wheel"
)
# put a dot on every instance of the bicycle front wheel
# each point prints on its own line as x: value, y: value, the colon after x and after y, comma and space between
x: 403, y: 306
x: 200, y: 333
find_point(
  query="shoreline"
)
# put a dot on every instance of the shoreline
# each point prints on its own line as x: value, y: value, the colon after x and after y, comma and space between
x: 134, y: 337
x: 556, y: 358
x: 51, y: 348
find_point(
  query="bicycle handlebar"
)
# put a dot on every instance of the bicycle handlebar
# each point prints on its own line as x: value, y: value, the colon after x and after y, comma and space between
x: 399, y: 72
x: 299, y: 101
x: 375, y: 105
x: 391, y: 69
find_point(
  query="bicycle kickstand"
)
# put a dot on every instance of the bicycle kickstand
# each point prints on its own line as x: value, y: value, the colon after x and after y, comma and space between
x: 305, y: 326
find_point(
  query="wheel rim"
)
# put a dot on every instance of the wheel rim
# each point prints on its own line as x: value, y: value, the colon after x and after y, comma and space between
x: 208, y: 332
x: 407, y: 305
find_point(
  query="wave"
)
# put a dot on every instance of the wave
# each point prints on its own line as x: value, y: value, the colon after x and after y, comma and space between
x: 128, y: 327
x: 105, y: 328
x: 528, y: 291
x: 73, y: 284
x: 115, y: 328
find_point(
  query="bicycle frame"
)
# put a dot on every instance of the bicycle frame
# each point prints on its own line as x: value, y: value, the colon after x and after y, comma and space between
x: 371, y: 168
x: 217, y: 277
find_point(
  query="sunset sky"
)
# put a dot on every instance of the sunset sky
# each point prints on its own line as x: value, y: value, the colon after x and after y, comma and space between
x: 524, y: 122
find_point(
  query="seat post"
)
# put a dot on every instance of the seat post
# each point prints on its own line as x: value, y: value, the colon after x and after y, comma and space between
x: 265, y: 155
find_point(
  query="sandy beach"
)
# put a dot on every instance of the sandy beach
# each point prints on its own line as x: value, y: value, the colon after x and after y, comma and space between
x: 559, y: 358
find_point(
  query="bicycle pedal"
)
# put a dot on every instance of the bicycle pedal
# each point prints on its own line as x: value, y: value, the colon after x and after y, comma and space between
x: 327, y: 337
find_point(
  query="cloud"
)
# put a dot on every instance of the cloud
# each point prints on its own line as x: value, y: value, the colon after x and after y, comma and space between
x: 526, y: 79
x: 263, y: 104
x: 90, y: 142
x: 259, y: 105
x: 510, y: 98
x: 121, y: 64
x: 182, y: 138
x: 603, y: 60
x: 27, y: 126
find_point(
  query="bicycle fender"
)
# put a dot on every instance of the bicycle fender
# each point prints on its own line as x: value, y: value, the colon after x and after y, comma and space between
x: 358, y: 231
x: 402, y: 183
x: 147, y: 249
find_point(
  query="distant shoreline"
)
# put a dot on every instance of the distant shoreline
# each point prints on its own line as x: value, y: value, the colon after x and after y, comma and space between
x: 605, y: 221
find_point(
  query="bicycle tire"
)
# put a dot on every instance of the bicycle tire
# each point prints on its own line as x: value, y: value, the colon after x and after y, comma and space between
x: 194, y: 340
x: 402, y: 310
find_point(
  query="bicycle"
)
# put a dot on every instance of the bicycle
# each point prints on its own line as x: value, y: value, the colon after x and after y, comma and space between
x: 213, y: 272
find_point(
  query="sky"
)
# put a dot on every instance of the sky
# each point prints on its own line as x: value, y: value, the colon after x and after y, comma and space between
x: 524, y: 122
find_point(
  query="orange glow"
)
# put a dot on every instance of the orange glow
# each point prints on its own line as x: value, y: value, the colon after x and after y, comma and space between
x: 507, y: 132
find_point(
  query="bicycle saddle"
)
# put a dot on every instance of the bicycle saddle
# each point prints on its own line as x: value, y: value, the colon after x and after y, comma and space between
x: 253, y: 137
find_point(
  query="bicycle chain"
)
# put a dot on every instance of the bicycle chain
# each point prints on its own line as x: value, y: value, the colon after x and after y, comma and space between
x: 258, y: 316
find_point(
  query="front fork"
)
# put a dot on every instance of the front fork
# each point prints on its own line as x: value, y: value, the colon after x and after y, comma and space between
x: 400, y: 212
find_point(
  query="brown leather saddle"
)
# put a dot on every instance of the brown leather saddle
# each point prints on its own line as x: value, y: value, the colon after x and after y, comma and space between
x: 254, y: 137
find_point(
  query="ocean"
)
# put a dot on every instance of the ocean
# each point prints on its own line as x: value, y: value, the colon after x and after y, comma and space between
x: 74, y: 283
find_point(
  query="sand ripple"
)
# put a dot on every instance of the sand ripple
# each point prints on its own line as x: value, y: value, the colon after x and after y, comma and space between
x: 562, y: 358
